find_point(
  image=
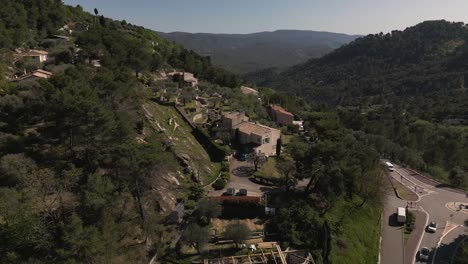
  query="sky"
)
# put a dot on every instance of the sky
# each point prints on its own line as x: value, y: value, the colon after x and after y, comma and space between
x: 247, y: 16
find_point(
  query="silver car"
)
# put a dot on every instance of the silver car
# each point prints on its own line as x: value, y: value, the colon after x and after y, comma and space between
x: 432, y: 227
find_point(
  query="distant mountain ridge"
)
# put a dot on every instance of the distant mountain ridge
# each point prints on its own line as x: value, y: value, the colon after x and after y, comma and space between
x: 242, y: 53
x: 421, y: 64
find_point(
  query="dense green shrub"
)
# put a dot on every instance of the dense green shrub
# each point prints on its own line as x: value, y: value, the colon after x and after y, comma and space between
x: 219, y: 184
x: 226, y: 176
x: 225, y: 166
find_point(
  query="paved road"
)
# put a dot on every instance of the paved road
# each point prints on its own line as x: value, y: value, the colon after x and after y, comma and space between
x: 433, y: 200
x: 392, y: 233
x: 240, y: 179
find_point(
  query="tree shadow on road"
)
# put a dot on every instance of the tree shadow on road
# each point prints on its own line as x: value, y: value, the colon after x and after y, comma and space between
x: 446, y: 252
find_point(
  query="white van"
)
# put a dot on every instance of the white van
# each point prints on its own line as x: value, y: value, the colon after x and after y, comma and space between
x: 401, y: 215
x: 390, y: 166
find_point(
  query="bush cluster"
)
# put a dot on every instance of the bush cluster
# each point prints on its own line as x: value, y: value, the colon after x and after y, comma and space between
x: 219, y: 184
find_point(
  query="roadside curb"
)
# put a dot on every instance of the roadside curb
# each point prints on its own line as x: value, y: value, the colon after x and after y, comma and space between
x: 422, y: 235
x: 379, y: 257
x: 417, y: 194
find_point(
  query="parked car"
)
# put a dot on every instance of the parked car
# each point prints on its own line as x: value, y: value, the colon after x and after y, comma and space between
x: 432, y: 227
x: 424, y: 254
x: 242, y: 156
x: 243, y: 192
x: 230, y: 191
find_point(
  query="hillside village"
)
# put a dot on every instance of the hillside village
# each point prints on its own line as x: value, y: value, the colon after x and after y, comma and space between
x: 118, y: 146
x: 196, y: 116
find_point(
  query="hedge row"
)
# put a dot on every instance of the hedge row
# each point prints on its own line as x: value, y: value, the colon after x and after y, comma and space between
x: 241, y: 201
x: 266, y: 180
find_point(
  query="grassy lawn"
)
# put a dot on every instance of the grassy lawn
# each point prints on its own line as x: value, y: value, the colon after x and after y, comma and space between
x: 359, y: 241
x: 183, y: 140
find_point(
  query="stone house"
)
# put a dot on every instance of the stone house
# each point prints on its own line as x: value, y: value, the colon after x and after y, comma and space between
x: 261, y: 138
x: 280, y: 115
x: 184, y: 79
x: 231, y: 119
x: 37, y: 74
x: 39, y: 55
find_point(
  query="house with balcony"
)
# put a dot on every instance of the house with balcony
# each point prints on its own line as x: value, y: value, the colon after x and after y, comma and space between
x: 260, y: 138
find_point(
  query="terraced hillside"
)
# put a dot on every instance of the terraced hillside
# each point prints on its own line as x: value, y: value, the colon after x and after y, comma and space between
x: 165, y: 119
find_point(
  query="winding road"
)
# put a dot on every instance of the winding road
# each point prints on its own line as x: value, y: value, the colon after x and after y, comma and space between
x: 434, y: 203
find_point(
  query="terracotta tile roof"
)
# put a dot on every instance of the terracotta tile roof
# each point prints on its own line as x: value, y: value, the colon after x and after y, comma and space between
x: 280, y: 109
x: 37, y: 73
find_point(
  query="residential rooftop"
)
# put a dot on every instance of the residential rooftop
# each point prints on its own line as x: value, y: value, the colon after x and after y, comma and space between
x: 247, y: 90
x: 37, y: 73
x: 35, y: 53
x: 280, y: 109
x: 253, y: 128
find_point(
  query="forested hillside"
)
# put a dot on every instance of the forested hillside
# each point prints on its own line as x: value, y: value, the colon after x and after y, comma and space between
x: 403, y: 92
x: 82, y: 177
x: 242, y: 53
x: 89, y: 172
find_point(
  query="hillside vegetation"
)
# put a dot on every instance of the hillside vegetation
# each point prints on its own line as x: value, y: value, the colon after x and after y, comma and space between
x: 403, y: 92
x: 91, y: 166
x: 83, y: 177
x: 242, y: 53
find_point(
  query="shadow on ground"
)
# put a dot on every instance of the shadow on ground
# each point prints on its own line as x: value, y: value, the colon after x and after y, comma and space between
x: 392, y: 221
x: 243, y: 171
x: 447, y: 254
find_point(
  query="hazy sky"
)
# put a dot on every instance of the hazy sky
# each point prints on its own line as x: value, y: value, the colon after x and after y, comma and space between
x: 246, y: 16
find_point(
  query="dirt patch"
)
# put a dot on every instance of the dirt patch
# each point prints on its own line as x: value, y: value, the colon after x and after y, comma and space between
x: 254, y: 224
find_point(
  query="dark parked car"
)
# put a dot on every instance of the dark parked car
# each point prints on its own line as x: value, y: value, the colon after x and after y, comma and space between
x: 243, y: 192
x: 230, y: 191
x: 241, y: 156
x: 424, y: 254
